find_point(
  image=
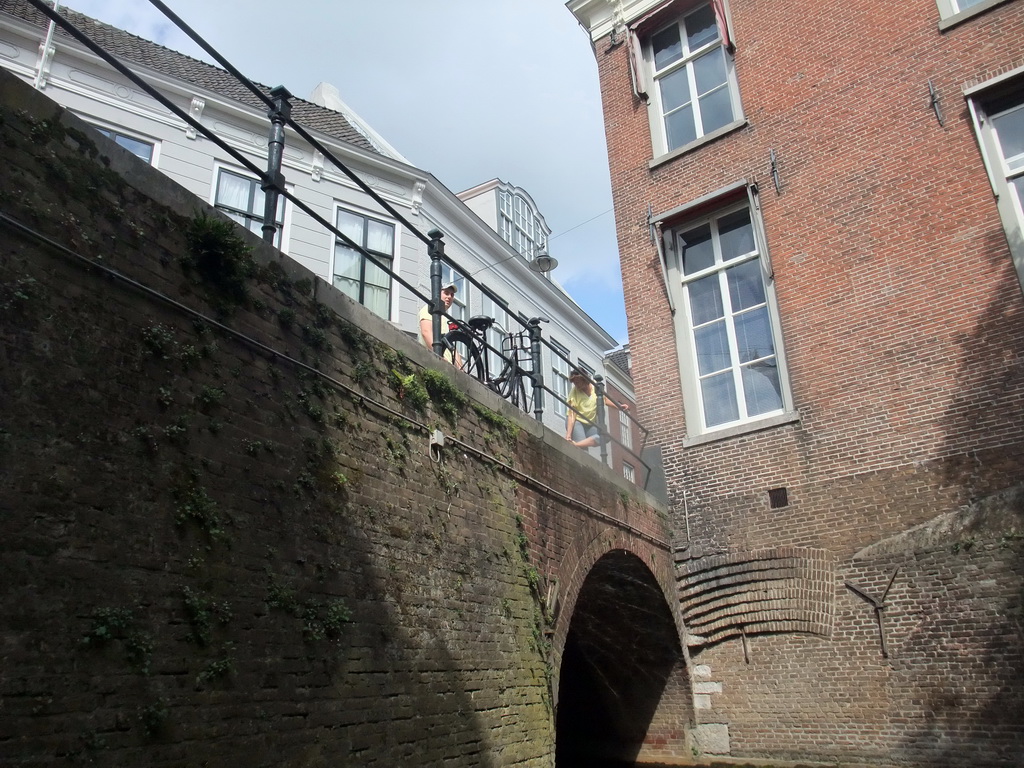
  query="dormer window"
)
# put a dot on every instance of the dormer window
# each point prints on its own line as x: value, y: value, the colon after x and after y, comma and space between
x: 520, y: 225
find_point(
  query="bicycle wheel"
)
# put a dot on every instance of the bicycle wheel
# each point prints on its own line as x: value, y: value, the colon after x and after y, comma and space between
x: 519, y: 397
x: 510, y: 386
x: 473, y: 362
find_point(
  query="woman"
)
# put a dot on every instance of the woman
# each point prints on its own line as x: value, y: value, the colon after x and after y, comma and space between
x: 581, y: 422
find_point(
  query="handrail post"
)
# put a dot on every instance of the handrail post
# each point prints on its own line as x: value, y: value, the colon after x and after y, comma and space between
x: 435, y: 249
x: 537, y: 374
x: 602, y: 424
x: 279, y: 115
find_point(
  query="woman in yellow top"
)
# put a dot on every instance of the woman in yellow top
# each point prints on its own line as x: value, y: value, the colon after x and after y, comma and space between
x: 581, y: 421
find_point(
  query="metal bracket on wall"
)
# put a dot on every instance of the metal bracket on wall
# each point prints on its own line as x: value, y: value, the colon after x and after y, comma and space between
x: 774, y: 166
x: 879, y: 605
x: 933, y: 102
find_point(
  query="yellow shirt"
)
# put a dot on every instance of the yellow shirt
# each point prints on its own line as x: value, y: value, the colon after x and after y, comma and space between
x: 584, y: 404
x: 425, y: 315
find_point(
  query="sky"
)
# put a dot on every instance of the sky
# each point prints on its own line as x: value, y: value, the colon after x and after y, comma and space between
x: 468, y: 90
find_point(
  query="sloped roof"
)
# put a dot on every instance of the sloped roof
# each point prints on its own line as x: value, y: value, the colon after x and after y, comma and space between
x: 136, y: 50
x: 620, y: 359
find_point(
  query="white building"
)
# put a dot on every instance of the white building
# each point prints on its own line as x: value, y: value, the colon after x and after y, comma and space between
x: 494, y: 236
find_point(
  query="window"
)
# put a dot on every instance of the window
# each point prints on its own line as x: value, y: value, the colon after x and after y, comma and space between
x: 520, y: 225
x: 725, y: 326
x: 694, y: 85
x: 138, y: 147
x: 560, y: 379
x: 449, y: 276
x: 629, y: 471
x: 354, y: 274
x: 625, y: 430
x: 952, y: 12
x: 241, y: 198
x: 999, y: 120
x: 587, y: 369
x: 496, y: 333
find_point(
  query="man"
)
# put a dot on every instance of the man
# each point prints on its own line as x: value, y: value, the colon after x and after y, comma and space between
x: 426, y: 333
x: 581, y: 429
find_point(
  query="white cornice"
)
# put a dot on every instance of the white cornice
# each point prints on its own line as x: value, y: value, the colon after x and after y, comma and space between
x: 601, y: 17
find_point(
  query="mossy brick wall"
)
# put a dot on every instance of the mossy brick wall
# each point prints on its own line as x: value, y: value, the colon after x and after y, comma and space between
x: 225, y: 541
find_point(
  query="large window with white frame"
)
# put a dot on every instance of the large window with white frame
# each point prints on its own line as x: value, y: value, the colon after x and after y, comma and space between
x: 242, y: 199
x: 520, y: 225
x: 999, y: 120
x: 355, y: 274
x: 728, y: 338
x: 694, y: 90
x: 560, y: 376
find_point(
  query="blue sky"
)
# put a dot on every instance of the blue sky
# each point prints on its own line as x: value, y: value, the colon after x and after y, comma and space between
x: 469, y: 90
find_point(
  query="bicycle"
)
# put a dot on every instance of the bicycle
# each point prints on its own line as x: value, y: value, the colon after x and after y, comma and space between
x: 510, y: 383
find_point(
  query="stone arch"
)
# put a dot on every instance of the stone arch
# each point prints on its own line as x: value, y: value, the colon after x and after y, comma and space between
x: 621, y: 684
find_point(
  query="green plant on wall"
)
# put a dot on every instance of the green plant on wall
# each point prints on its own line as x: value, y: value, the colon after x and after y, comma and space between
x: 195, y: 505
x: 120, y: 626
x: 220, y: 257
x: 409, y: 389
x: 447, y: 398
x: 317, y: 620
x: 202, y: 613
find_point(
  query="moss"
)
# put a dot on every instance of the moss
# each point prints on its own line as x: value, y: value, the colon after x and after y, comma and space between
x: 447, y: 398
x: 119, y: 625
x: 195, y: 505
x: 409, y: 389
x: 220, y: 257
x: 508, y: 429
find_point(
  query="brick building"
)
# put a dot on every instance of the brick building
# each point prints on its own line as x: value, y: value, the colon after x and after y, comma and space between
x: 827, y: 335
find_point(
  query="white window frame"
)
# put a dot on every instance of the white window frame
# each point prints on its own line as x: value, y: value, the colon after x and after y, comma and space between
x: 1001, y: 170
x: 656, y: 113
x: 697, y: 431
x: 625, y: 430
x: 520, y: 225
x: 255, y: 216
x: 119, y: 132
x: 629, y: 472
x: 335, y: 242
x: 460, y: 304
x: 496, y: 333
x: 560, y: 378
x: 953, y: 12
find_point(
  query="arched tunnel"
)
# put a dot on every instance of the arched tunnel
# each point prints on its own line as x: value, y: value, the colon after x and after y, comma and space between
x: 623, y: 686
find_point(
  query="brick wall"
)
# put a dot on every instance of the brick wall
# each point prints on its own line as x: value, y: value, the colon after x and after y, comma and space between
x: 227, y: 541
x: 903, y: 326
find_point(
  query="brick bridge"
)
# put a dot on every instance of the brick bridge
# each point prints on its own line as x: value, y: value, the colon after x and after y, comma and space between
x: 228, y: 540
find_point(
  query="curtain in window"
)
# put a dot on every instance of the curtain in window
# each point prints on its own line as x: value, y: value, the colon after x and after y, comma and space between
x: 233, y: 191
x: 645, y: 24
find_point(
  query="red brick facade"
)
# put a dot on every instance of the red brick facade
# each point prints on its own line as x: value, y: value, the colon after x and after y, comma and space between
x: 901, y: 319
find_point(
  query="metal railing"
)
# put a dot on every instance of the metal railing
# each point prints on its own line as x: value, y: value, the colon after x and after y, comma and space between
x: 272, y: 183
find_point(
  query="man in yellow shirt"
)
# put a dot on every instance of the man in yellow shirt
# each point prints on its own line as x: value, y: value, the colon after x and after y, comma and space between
x: 581, y: 421
x: 426, y: 329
